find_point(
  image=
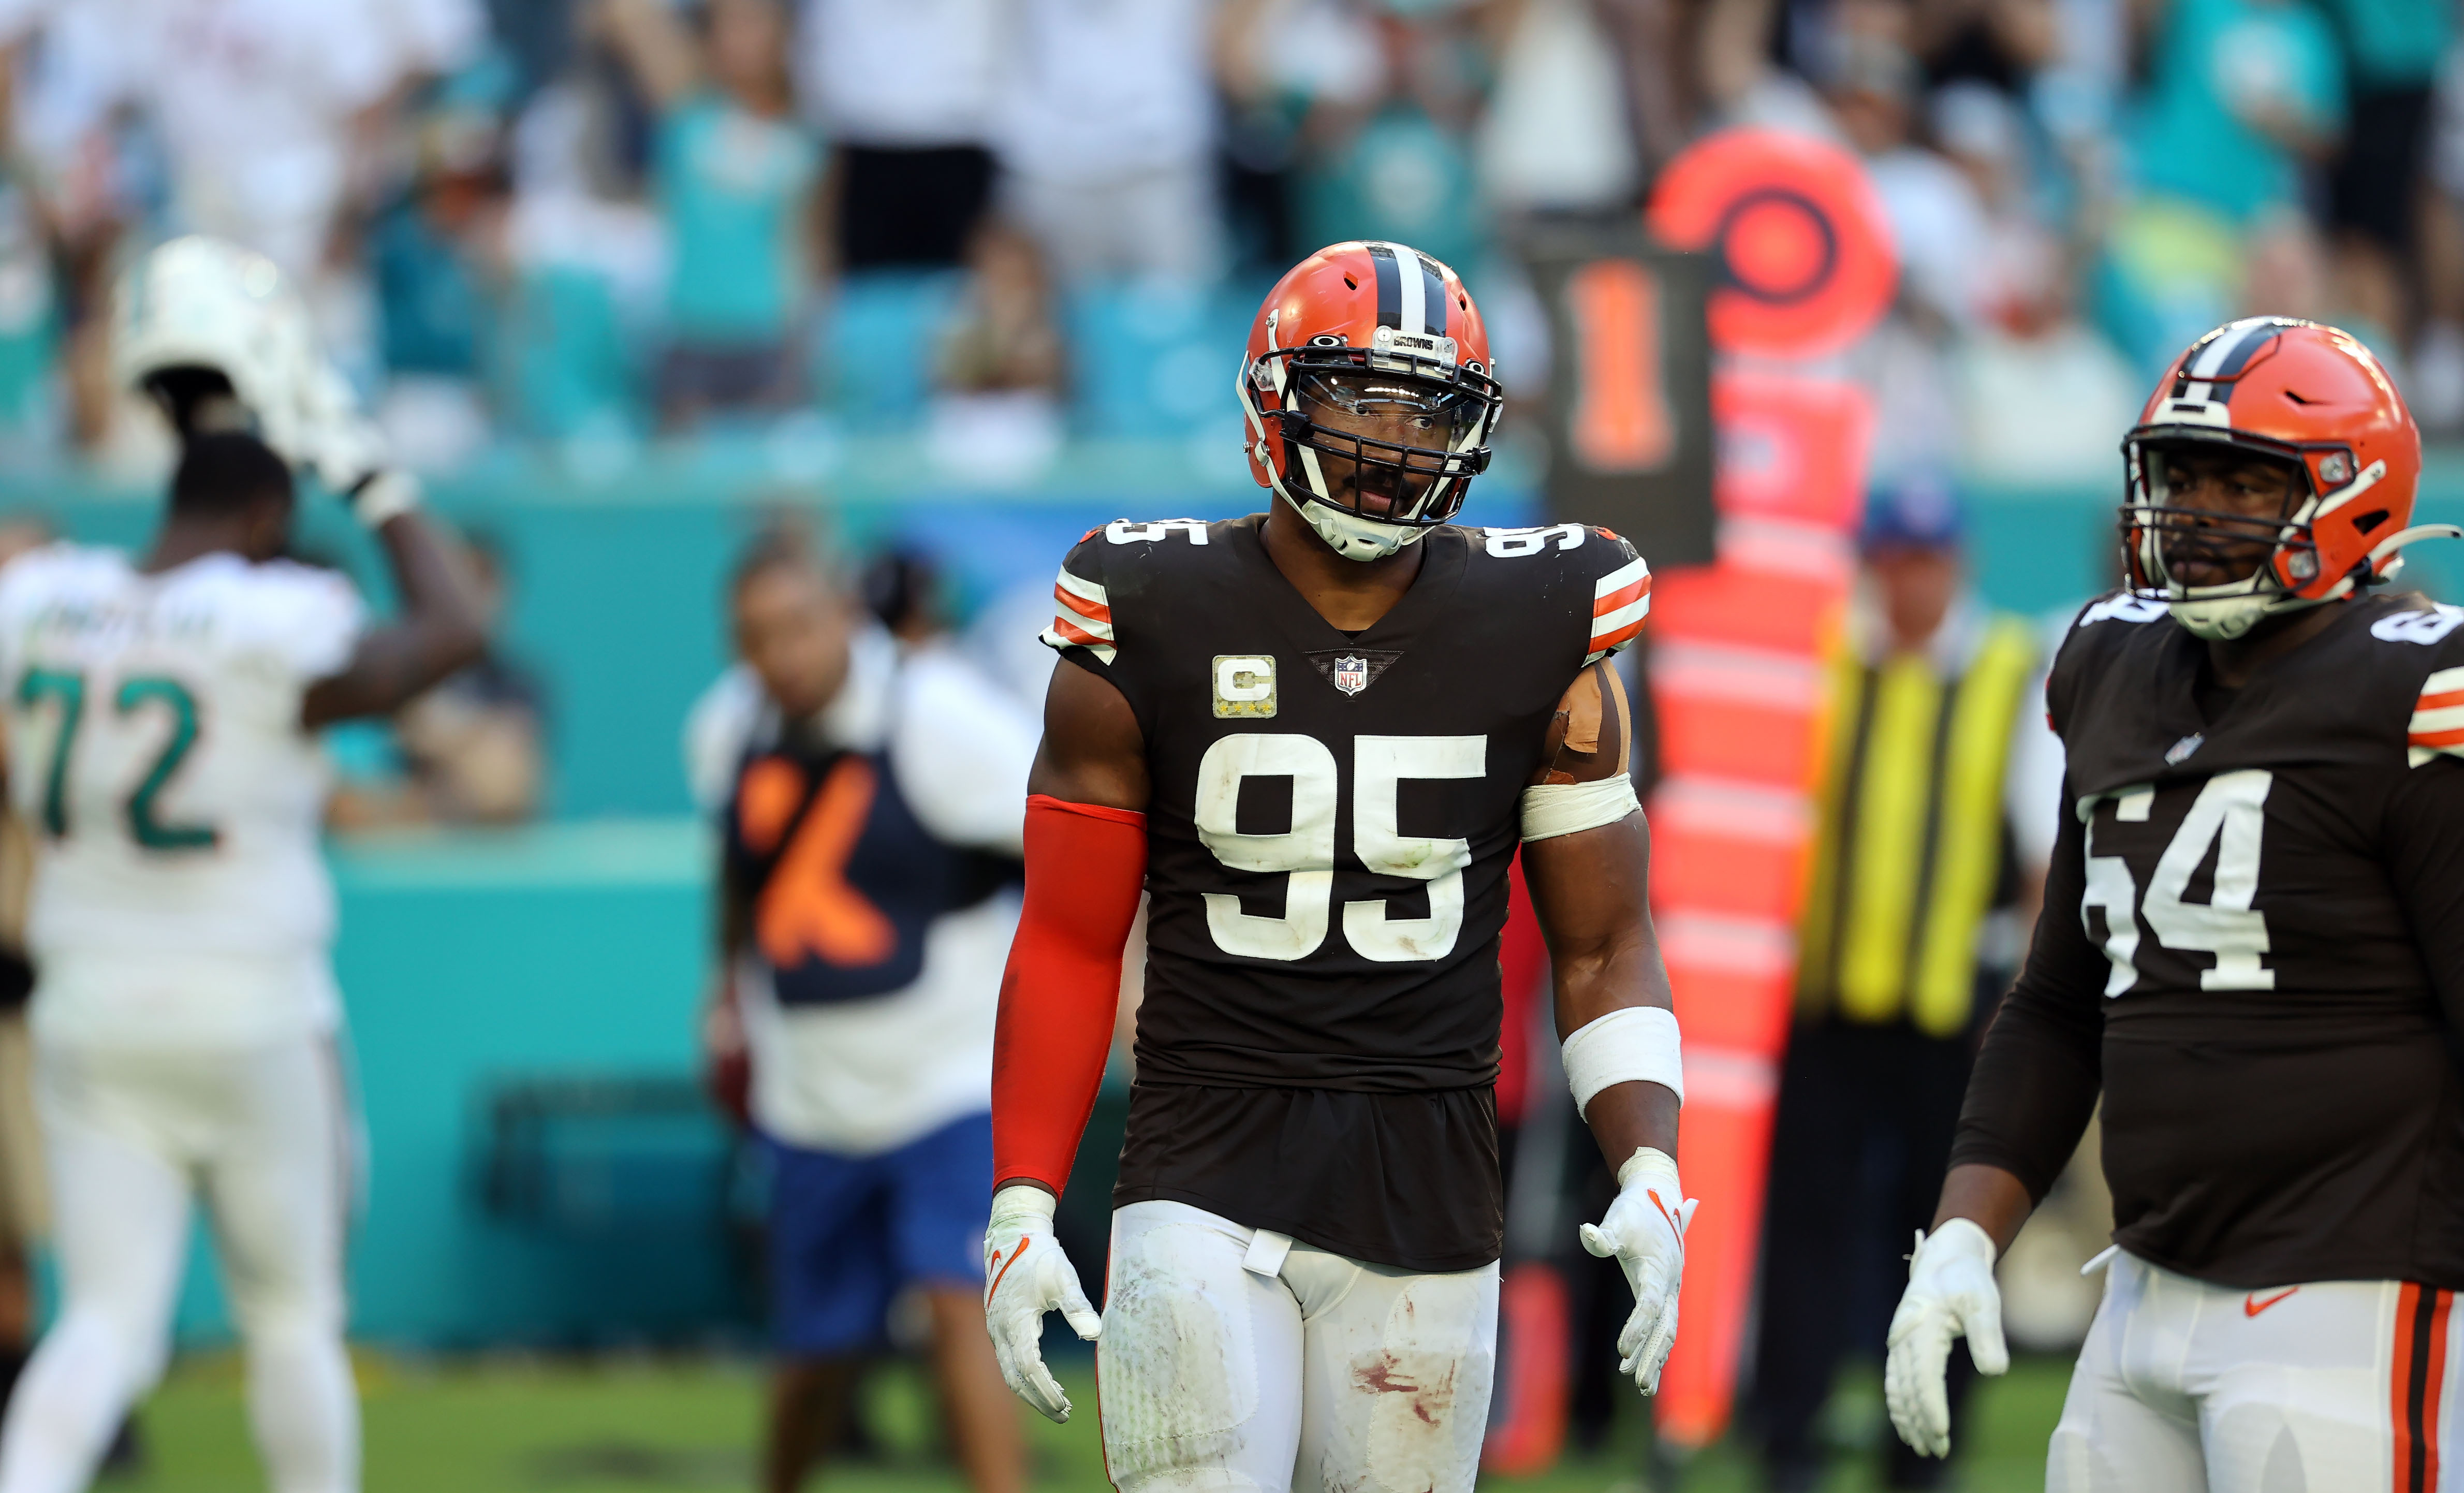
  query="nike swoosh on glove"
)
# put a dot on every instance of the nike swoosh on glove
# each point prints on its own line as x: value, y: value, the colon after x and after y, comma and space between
x: 1646, y: 1230
x: 1026, y: 1275
x: 1950, y: 1293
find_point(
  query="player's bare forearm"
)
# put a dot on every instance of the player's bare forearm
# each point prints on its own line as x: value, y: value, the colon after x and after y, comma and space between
x: 1093, y: 750
x: 1994, y: 1199
x: 1591, y: 892
x: 440, y: 630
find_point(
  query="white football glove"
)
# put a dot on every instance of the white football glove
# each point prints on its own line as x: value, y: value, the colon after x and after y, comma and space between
x: 1950, y: 1292
x: 1645, y: 1229
x: 1026, y: 1275
x: 349, y: 455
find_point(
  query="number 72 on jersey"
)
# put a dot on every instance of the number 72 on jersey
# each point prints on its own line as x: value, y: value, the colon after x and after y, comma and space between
x: 64, y: 692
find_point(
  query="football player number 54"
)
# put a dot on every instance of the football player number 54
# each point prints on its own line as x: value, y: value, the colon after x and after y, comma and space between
x: 1306, y: 851
x: 2227, y: 818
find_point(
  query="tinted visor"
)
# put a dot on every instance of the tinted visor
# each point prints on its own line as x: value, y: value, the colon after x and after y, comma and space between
x: 1441, y: 410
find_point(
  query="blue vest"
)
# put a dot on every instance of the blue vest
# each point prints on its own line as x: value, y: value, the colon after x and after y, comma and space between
x: 836, y: 880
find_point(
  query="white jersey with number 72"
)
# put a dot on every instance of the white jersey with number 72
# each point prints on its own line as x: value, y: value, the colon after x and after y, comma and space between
x: 155, y: 750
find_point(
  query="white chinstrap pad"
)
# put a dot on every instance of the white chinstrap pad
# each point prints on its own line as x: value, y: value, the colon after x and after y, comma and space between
x: 1627, y: 1044
x: 1550, y: 810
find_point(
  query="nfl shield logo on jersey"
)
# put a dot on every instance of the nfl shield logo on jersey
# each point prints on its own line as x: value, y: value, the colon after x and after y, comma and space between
x: 1353, y: 670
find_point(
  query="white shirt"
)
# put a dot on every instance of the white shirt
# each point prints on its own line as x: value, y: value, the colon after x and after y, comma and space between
x: 913, y: 73
x: 254, y: 98
x: 869, y: 1076
x: 1100, y: 91
x: 155, y: 746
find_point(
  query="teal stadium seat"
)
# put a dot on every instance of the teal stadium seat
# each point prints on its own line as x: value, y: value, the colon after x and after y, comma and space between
x: 873, y: 358
x: 1155, y: 361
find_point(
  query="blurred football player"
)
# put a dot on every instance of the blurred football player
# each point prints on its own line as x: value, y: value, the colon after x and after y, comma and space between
x: 162, y: 718
x: 1315, y: 736
x: 2253, y: 947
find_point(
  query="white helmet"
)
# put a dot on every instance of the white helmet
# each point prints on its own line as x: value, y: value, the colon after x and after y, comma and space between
x: 215, y: 334
x: 198, y: 307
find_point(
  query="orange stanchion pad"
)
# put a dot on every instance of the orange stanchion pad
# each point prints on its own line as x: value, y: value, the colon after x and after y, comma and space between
x: 1803, y: 243
x: 1534, y: 1378
x: 1727, y: 738
x: 1792, y: 448
x: 1733, y: 606
x: 1724, y: 1149
x: 1729, y: 1010
x: 1725, y: 875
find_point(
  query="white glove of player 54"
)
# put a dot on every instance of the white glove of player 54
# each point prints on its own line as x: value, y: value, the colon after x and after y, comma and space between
x: 1646, y: 1230
x: 1026, y: 1275
x: 1950, y: 1292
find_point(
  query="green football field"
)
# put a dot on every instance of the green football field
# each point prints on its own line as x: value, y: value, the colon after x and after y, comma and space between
x: 666, y: 1426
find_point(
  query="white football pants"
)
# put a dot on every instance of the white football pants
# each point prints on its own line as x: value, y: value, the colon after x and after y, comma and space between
x: 1233, y: 1358
x: 263, y: 1135
x: 2184, y: 1387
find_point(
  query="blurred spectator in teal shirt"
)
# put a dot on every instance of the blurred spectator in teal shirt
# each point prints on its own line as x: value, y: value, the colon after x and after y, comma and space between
x: 2243, y: 96
x: 733, y: 171
x: 1387, y: 152
x: 2244, y: 101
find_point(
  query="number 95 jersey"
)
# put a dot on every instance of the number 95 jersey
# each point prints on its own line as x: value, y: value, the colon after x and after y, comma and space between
x: 155, y: 748
x: 2252, y: 938
x: 1330, y: 823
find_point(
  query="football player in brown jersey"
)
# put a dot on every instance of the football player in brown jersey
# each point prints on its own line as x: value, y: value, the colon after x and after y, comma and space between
x: 2252, y: 948
x: 1316, y: 736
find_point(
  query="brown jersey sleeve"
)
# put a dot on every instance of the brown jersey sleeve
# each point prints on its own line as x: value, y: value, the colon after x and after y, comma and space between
x: 2037, y: 1074
x: 2425, y: 862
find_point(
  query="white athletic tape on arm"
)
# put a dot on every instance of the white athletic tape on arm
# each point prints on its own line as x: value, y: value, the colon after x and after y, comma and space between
x: 1550, y: 810
x: 1648, y: 1165
x: 383, y: 497
x: 1627, y: 1044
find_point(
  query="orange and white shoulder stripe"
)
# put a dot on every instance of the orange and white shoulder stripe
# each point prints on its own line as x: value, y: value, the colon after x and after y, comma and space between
x: 2438, y: 719
x: 1619, y: 603
x: 1084, y: 618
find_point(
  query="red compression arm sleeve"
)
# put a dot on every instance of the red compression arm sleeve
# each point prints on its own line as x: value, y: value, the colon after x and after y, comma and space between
x: 1085, y: 867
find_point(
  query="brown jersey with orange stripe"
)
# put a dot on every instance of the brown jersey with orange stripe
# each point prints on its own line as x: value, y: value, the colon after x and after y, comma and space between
x: 2254, y: 944
x: 1331, y: 820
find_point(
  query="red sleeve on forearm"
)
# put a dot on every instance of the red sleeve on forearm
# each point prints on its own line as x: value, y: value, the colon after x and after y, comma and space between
x: 1085, y: 868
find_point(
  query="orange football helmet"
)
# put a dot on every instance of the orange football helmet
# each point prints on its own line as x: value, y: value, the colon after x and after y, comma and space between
x: 2301, y: 393
x: 1356, y: 327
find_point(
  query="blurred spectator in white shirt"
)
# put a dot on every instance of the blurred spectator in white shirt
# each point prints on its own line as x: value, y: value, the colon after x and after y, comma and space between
x: 2039, y: 393
x: 906, y: 92
x: 1106, y: 134
x: 1556, y: 133
x: 272, y: 115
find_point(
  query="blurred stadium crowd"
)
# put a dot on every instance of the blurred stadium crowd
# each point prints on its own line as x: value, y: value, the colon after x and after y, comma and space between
x: 1002, y: 224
